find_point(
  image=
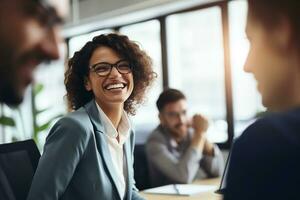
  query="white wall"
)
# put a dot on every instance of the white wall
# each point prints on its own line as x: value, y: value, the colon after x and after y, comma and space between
x: 89, y: 8
x: 89, y: 15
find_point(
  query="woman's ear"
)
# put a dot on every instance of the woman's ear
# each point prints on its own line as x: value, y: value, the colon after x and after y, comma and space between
x: 87, y: 84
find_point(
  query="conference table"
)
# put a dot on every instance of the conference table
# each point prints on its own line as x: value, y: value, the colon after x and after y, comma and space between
x: 211, y: 195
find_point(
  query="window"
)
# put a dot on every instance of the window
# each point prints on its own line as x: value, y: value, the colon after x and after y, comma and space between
x: 246, y: 99
x: 196, y: 65
x: 76, y: 43
x: 147, y: 35
x: 22, y: 128
x: 51, y: 77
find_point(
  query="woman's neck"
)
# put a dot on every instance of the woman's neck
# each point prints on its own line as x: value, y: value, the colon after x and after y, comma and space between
x: 113, y: 112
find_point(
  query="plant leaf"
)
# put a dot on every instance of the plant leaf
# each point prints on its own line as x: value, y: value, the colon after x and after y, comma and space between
x: 43, y: 127
x: 38, y: 88
x: 47, y: 124
x: 42, y: 110
x: 7, y: 121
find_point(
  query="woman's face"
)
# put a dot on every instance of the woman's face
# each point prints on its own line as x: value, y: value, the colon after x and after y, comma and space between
x: 113, y: 89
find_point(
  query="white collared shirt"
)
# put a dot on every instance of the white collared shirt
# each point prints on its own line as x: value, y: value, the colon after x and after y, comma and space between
x: 116, y: 148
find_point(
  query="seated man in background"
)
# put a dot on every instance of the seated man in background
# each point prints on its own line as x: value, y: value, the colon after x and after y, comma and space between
x: 177, y: 150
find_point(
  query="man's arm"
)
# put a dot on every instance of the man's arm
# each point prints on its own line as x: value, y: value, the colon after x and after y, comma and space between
x: 182, y: 170
x: 200, y: 125
x: 213, y: 164
x: 212, y: 161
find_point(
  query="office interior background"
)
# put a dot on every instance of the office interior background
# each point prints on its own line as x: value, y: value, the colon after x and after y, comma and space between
x: 197, y: 46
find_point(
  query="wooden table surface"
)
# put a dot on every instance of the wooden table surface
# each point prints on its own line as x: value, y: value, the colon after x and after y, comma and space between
x: 211, y: 195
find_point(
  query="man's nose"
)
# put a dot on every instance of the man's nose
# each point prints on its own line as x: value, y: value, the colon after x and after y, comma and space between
x: 181, y: 118
x: 49, y: 45
x: 248, y: 64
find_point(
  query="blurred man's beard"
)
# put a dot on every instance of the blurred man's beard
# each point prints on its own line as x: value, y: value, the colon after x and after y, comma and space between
x: 10, y: 97
x: 178, y: 131
x: 9, y: 92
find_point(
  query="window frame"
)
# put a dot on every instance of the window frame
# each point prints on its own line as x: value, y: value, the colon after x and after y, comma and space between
x: 164, y: 56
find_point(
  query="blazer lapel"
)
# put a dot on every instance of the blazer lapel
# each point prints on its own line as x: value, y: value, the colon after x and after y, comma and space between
x: 104, y: 151
x: 102, y: 146
x: 127, y: 151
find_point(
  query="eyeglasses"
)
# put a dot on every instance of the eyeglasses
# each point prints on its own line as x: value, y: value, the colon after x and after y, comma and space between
x: 175, y: 115
x: 104, y: 68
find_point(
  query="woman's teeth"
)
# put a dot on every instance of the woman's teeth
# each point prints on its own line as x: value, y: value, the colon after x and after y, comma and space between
x: 115, y: 86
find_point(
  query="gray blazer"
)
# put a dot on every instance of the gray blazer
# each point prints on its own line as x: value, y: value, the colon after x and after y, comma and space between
x: 76, y: 163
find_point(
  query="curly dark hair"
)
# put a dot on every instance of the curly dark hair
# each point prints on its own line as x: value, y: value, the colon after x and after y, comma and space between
x: 78, y: 70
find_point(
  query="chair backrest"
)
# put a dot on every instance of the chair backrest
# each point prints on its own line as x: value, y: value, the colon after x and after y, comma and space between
x: 18, y: 162
x: 141, y: 172
x: 223, y: 183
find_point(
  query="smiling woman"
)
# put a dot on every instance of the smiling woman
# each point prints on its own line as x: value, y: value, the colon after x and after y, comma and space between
x: 92, y: 147
x: 112, y: 46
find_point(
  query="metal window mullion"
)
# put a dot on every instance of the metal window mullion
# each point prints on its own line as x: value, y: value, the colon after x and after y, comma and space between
x: 164, y: 52
x: 227, y: 70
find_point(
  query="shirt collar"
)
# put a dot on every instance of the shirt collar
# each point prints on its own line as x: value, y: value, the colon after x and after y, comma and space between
x: 123, y: 127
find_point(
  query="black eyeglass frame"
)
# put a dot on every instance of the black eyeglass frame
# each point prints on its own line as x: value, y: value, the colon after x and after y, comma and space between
x: 116, y: 65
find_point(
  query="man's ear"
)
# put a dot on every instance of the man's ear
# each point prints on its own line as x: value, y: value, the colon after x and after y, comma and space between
x: 282, y: 35
x: 87, y: 84
x: 161, y: 118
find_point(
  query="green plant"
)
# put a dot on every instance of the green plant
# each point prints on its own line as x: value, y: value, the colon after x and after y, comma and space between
x: 5, y: 120
x: 38, y: 128
x: 17, y: 125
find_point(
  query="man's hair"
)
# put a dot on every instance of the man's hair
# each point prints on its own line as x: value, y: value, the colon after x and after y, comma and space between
x: 168, y: 96
x: 268, y: 12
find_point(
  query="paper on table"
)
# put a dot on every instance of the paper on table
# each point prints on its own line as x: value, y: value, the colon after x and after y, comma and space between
x: 181, y: 189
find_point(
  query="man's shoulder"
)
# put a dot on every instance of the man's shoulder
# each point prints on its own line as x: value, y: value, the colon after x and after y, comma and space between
x: 156, y: 142
x: 274, y: 133
x: 157, y: 133
x: 266, y: 153
x: 285, y: 125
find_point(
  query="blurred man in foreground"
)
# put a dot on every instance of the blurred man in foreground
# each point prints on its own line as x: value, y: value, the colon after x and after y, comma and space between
x: 29, y: 35
x: 265, y: 159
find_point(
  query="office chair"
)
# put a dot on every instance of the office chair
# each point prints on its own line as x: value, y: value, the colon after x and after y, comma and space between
x: 18, y: 162
x: 140, y: 165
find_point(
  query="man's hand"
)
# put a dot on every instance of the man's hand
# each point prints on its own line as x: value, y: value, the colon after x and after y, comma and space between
x: 200, y: 126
